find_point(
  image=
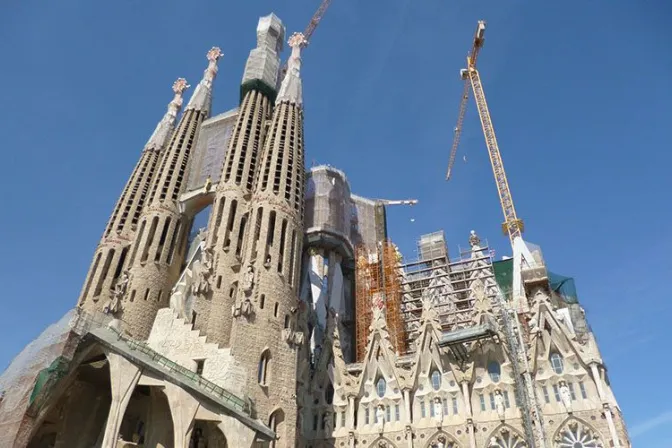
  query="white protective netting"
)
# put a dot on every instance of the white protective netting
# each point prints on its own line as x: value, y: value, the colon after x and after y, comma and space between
x: 211, y: 146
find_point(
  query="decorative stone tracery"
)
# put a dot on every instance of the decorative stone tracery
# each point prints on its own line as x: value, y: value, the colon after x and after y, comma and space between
x: 505, y: 437
x: 575, y: 434
x: 442, y: 440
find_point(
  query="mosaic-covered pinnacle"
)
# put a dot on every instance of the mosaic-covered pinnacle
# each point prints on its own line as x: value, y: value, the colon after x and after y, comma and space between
x: 291, y: 89
x: 165, y: 127
x: 202, y: 98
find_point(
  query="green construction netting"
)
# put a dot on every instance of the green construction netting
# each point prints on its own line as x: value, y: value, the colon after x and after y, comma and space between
x: 504, y: 276
x: 56, y: 370
x: 564, y: 286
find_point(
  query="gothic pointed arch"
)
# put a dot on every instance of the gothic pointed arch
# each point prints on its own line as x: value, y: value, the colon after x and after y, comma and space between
x: 276, y: 421
x: 505, y: 436
x: 441, y: 440
x: 576, y: 433
x: 382, y: 442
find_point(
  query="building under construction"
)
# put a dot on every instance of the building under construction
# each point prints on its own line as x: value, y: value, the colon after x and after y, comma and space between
x: 292, y: 320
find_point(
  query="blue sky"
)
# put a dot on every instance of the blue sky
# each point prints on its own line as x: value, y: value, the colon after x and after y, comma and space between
x: 579, y: 92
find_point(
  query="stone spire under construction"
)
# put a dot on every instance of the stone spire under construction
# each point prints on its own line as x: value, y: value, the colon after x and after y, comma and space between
x: 103, y: 286
x: 229, y: 221
x: 158, y: 249
x: 268, y: 329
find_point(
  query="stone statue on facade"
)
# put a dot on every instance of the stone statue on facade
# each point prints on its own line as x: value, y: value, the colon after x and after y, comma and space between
x: 248, y: 279
x: 566, y: 396
x: 327, y: 423
x: 202, y: 269
x: 493, y: 442
x: 292, y: 334
x: 243, y: 308
x: 499, y: 404
x: 438, y: 410
x: 380, y: 418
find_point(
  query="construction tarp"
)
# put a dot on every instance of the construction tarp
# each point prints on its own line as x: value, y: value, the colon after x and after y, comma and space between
x: 564, y: 286
x: 56, y: 370
x: 504, y: 275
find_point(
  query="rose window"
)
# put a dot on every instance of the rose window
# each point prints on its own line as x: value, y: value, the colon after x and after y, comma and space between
x: 577, y: 436
x: 507, y: 439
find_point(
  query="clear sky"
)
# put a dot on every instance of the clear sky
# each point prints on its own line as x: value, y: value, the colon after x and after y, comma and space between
x: 579, y: 92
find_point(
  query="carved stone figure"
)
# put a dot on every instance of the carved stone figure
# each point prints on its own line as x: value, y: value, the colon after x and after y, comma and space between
x: 122, y: 285
x: 327, y: 422
x: 201, y: 271
x: 566, y: 396
x: 380, y: 418
x: 499, y: 404
x: 408, y: 432
x: 243, y: 308
x: 493, y: 443
x: 248, y: 279
x: 438, y: 410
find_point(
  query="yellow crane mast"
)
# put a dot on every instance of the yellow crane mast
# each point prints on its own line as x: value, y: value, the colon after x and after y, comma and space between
x: 513, y: 226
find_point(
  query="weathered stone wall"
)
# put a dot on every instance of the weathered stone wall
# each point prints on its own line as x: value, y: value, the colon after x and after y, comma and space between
x: 175, y: 339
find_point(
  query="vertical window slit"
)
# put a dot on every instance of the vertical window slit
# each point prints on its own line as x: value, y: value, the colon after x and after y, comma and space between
x: 241, y: 234
x: 103, y: 273
x: 162, y: 240
x: 173, y: 241
x: 229, y: 224
x: 283, y: 232
x: 92, y: 274
x: 150, y: 239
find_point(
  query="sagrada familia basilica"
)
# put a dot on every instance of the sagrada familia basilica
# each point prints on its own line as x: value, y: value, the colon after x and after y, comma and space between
x: 292, y: 320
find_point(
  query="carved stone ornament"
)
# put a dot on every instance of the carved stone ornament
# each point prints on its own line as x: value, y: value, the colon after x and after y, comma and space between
x: 474, y: 240
x: 248, y: 279
x: 499, y: 404
x: 201, y: 273
x: 382, y: 444
x: 244, y: 308
x: 292, y: 334
x: 408, y: 432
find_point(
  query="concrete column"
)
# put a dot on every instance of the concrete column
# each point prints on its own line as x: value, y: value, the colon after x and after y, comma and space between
x: 123, y: 378
x: 351, y: 412
x: 236, y: 433
x: 183, y: 408
x: 612, y: 427
x: 407, y: 405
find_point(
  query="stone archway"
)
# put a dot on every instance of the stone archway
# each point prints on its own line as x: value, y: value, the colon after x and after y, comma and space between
x: 575, y: 433
x: 207, y: 434
x: 505, y: 436
x: 277, y: 423
x: 442, y: 440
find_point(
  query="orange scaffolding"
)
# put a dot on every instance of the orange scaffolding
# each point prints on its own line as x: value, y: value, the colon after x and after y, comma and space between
x: 377, y: 274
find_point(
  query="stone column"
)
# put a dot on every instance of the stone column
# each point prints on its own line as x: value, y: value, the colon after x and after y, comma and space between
x: 470, y: 417
x: 183, y: 408
x: 606, y: 407
x: 236, y: 433
x: 124, y: 377
x: 351, y: 411
x: 407, y: 405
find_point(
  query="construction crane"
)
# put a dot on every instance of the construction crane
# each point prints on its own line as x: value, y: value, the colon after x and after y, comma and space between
x: 512, y: 225
x: 310, y: 29
x: 410, y: 202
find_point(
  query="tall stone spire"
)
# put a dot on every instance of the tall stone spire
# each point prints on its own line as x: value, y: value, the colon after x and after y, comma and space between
x: 158, y: 248
x: 267, y: 324
x: 229, y: 221
x: 110, y: 256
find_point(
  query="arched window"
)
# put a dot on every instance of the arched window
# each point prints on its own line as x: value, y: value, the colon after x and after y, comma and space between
x: 381, y: 386
x: 264, y: 364
x: 329, y: 394
x: 495, y: 371
x: 436, y: 379
x: 556, y: 362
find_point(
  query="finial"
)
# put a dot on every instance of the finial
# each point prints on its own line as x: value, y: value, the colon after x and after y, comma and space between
x: 297, y: 40
x: 474, y: 240
x: 213, y: 56
x: 179, y: 86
